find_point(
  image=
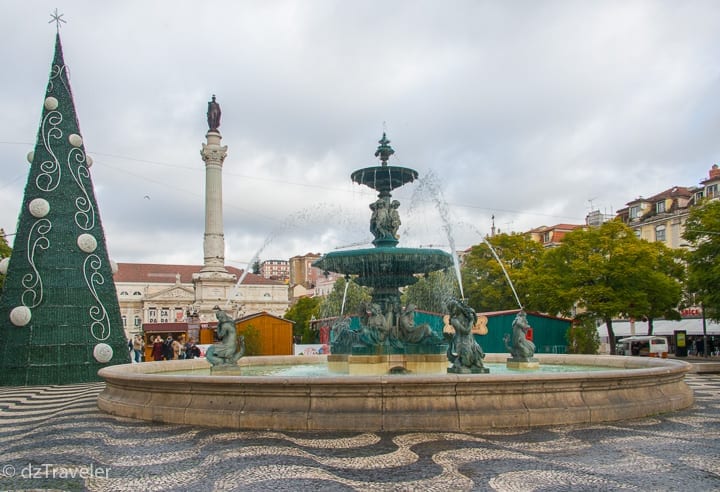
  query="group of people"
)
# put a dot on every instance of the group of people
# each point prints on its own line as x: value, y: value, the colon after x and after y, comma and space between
x: 167, y: 349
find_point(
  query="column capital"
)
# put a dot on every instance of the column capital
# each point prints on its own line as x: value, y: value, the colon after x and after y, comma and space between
x: 213, y: 153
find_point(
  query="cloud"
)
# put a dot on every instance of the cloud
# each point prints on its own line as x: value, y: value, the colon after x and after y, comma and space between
x: 527, y: 111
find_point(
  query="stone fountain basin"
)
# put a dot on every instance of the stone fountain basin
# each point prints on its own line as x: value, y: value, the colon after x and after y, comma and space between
x: 635, y: 387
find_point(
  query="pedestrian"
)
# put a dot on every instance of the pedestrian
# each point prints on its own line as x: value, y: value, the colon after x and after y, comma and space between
x: 138, y: 346
x: 157, y: 348
x: 167, y: 348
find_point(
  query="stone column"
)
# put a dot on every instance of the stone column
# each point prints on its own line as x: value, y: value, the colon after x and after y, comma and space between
x: 214, y: 240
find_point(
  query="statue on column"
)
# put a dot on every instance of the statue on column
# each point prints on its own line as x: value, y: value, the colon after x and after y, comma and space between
x: 213, y: 115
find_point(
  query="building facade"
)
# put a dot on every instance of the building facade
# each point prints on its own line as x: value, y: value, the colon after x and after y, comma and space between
x: 276, y: 270
x: 155, y: 293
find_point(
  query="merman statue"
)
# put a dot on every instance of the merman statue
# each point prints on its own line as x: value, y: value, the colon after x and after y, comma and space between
x: 230, y: 349
x: 464, y: 352
x: 517, y: 344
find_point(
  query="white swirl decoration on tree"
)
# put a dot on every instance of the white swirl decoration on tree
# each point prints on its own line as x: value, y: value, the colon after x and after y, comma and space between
x: 56, y: 72
x: 32, y: 282
x: 49, y: 177
x: 100, y: 326
x: 77, y: 164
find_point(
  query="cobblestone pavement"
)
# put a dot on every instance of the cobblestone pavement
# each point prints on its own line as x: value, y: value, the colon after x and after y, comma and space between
x: 54, y: 437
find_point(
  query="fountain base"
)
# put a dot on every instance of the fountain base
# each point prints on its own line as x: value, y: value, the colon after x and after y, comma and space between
x: 378, y: 365
x: 636, y: 387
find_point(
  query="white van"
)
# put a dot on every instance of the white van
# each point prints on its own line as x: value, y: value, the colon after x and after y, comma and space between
x: 644, y: 346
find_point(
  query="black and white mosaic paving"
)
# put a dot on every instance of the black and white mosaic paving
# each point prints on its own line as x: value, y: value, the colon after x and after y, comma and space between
x: 54, y: 437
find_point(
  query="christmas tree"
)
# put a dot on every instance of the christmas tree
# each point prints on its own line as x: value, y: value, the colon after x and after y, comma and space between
x: 59, y: 314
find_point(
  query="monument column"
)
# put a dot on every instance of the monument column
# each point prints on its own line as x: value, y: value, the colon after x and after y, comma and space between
x: 214, y: 155
x: 213, y: 284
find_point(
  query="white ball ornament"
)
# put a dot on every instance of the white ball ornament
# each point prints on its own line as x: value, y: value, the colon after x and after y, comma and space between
x: 113, y: 267
x: 88, y: 160
x: 4, y: 264
x: 87, y: 243
x: 51, y: 103
x: 39, y: 208
x: 30, y: 156
x: 20, y: 316
x: 103, y: 352
x: 75, y: 140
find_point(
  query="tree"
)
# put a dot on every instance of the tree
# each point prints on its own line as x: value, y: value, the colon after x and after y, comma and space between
x: 60, y: 320
x: 432, y: 292
x: 5, y: 251
x: 702, y: 230
x: 582, y: 337
x: 664, y: 284
x: 484, y: 282
x: 256, y: 267
x: 301, y: 313
x: 332, y: 304
x: 604, y: 272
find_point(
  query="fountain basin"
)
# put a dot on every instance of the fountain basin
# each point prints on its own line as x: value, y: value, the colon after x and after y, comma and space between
x: 631, y: 387
x: 385, y: 266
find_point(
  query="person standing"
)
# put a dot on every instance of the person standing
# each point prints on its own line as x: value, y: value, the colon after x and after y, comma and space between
x: 157, y: 349
x: 138, y: 347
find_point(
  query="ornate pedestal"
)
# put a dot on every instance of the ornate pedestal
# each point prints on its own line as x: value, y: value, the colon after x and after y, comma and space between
x: 377, y: 365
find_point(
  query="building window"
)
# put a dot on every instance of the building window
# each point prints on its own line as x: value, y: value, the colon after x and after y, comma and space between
x: 546, y: 237
x: 124, y: 293
x: 638, y: 233
x: 137, y: 293
x: 137, y: 320
x: 124, y: 318
x: 711, y: 191
x: 660, y: 233
x: 634, y: 212
x: 660, y: 207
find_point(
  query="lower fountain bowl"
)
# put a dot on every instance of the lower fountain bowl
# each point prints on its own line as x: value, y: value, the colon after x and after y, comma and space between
x: 631, y: 387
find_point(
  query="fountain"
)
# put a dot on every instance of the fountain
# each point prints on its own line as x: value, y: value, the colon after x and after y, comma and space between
x: 388, y: 338
x: 391, y: 374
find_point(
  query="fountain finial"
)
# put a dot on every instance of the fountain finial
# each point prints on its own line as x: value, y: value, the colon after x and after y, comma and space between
x: 384, y: 151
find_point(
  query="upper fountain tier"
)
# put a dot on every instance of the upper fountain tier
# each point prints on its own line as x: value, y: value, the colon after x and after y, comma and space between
x: 385, y: 267
x: 384, y: 178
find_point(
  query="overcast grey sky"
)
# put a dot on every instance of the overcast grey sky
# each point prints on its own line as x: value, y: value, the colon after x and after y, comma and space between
x: 528, y: 110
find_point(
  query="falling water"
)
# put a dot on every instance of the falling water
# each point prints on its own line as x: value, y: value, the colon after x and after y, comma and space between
x: 328, y: 213
x: 342, y: 307
x: 429, y: 184
x: 512, y: 287
x: 497, y: 258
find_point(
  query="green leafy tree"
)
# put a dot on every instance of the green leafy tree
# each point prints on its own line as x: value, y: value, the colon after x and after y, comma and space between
x: 332, y: 304
x: 702, y: 230
x: 256, y: 267
x: 431, y: 293
x: 665, y: 284
x: 301, y: 313
x: 5, y: 251
x: 602, y: 271
x: 582, y: 337
x: 484, y: 282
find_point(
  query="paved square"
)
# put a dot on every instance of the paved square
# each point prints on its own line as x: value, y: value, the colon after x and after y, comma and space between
x: 54, y: 437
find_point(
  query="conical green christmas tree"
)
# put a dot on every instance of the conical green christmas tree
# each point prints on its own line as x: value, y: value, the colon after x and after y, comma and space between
x: 59, y: 315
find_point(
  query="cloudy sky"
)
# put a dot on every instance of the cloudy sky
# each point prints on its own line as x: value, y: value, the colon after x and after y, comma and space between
x: 531, y: 111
